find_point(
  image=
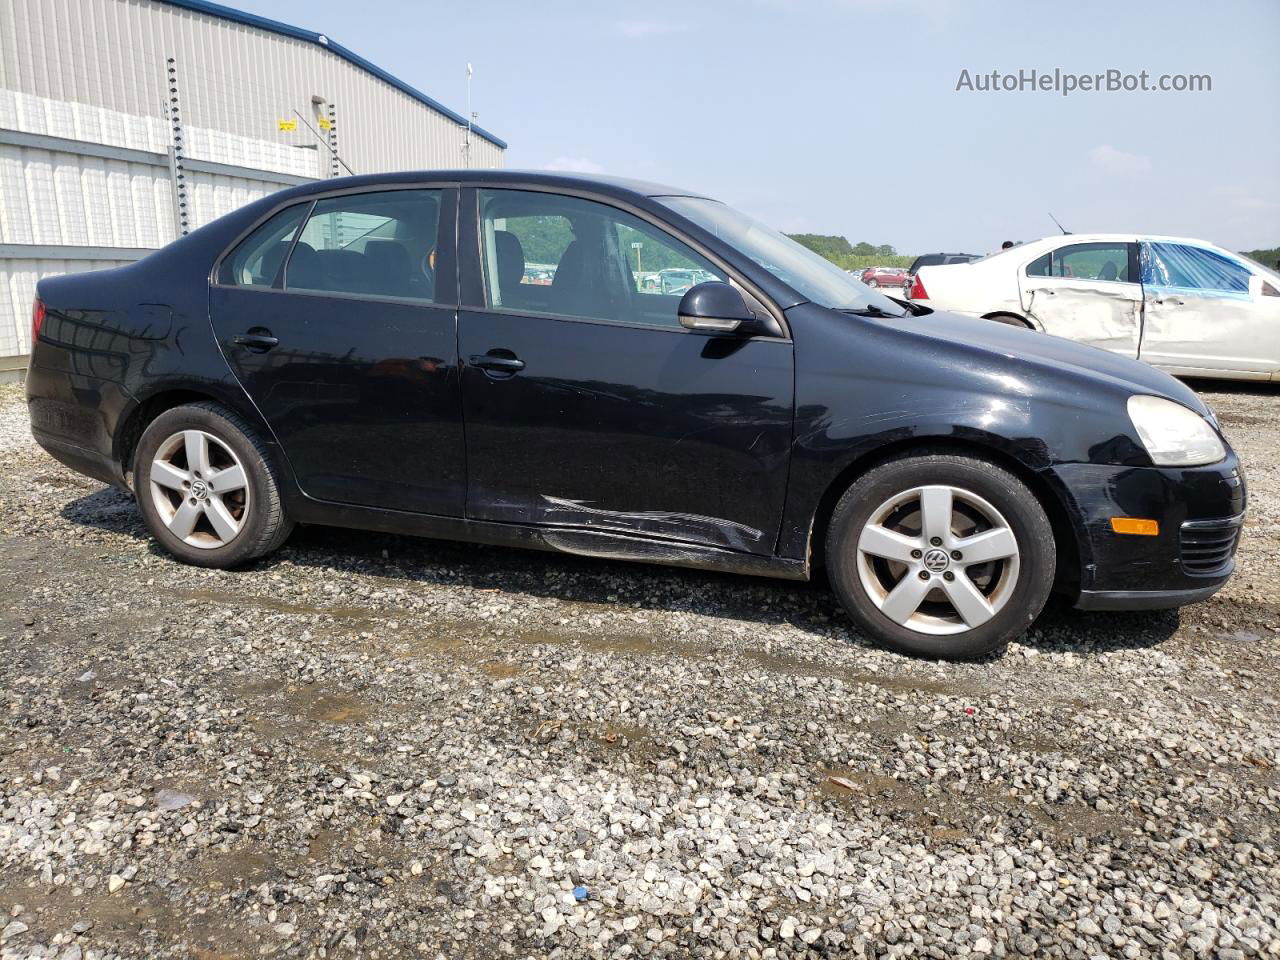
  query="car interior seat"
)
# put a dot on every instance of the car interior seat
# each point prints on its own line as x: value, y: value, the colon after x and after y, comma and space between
x: 510, y: 255
x: 304, y: 267
x: 389, y: 268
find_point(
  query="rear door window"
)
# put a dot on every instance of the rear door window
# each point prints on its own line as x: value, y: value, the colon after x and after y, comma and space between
x: 1108, y: 261
x: 373, y: 245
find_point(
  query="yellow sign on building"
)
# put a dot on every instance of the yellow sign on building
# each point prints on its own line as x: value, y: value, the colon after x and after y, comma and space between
x: 287, y: 126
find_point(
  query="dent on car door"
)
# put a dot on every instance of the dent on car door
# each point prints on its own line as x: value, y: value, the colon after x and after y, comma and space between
x: 1087, y: 292
x: 588, y: 407
x: 1206, y: 312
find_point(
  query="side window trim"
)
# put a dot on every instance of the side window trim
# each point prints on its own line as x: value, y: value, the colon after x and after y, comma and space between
x: 278, y: 283
x: 471, y: 290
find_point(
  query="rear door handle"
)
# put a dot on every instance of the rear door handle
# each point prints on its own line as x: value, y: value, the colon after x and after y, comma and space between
x: 499, y: 364
x: 259, y: 340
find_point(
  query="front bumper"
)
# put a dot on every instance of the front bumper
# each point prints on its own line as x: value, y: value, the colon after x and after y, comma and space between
x: 1199, y: 510
x: 1144, y: 599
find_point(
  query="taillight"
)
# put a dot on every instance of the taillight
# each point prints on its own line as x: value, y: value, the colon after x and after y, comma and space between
x: 37, y: 319
x: 918, y: 292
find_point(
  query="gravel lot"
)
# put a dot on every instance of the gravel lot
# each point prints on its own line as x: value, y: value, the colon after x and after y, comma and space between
x: 380, y: 746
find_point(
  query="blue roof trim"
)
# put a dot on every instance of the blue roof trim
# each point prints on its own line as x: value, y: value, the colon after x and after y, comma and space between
x: 325, y: 42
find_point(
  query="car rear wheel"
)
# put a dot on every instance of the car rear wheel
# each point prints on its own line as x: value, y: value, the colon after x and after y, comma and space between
x: 941, y: 555
x: 206, y: 487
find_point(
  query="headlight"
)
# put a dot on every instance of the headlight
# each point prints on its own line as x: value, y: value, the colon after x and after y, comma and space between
x: 1174, y: 435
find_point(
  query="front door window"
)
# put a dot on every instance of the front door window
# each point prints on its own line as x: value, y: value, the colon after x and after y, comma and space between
x: 565, y: 256
x: 1181, y: 266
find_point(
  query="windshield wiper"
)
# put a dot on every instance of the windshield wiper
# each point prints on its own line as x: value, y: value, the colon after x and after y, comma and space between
x: 870, y: 310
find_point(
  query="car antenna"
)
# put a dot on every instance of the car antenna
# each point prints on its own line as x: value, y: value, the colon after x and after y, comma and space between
x: 1065, y: 232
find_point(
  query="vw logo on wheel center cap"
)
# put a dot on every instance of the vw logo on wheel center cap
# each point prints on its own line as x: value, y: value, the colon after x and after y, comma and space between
x: 199, y: 489
x: 935, y: 561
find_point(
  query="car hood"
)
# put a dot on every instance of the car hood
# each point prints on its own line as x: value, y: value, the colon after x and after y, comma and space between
x: 1050, y: 354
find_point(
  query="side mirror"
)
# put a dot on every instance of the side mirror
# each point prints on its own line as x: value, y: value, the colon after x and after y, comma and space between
x: 716, y: 307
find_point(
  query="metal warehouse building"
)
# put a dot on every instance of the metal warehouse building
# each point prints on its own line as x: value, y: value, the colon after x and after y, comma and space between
x: 124, y: 123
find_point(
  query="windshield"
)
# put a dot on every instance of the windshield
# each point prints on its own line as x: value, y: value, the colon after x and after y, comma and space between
x: 1260, y: 268
x: 812, y: 276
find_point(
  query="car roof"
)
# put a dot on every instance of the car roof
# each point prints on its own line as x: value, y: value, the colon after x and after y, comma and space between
x: 598, y: 183
x: 1117, y: 237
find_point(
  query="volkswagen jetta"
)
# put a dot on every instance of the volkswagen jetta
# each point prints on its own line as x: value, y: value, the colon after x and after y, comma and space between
x: 370, y: 353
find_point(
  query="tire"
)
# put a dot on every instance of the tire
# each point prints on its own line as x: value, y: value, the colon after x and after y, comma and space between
x: 186, y: 510
x: 901, y: 496
x: 873, y: 283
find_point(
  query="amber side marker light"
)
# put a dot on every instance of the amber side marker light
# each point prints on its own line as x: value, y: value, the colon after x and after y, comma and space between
x: 1135, y: 526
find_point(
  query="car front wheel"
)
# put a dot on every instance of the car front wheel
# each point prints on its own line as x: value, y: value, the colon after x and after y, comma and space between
x: 941, y: 555
x: 206, y: 487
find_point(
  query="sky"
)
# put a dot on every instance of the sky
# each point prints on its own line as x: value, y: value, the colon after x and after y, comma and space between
x: 844, y: 117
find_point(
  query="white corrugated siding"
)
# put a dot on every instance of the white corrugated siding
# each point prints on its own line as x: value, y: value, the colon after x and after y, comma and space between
x: 232, y: 78
x: 59, y: 198
x: 95, y: 71
x: 93, y: 124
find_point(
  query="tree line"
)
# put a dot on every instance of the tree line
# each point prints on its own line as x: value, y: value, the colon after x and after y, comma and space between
x: 852, y: 256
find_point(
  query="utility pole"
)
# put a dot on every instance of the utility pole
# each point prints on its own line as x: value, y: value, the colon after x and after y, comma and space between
x: 466, y: 146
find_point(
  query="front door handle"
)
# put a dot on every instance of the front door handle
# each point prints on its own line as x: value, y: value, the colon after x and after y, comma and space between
x: 496, y: 362
x: 258, y: 339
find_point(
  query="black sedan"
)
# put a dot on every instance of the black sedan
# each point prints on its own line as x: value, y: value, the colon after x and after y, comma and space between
x: 371, y: 353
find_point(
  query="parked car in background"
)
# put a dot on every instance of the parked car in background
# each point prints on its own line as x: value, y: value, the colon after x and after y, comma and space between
x: 677, y: 280
x: 884, y: 277
x: 1183, y: 305
x: 539, y: 274
x: 314, y: 356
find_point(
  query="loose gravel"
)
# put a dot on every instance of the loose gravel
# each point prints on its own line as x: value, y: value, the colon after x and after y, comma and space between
x: 382, y: 746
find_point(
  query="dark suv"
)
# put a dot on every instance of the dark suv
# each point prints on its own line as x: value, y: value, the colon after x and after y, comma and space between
x: 372, y: 353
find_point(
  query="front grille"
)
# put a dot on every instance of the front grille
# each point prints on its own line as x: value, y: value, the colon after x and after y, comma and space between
x: 1209, y: 545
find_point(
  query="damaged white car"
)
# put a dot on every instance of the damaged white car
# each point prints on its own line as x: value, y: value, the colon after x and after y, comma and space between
x: 1185, y: 306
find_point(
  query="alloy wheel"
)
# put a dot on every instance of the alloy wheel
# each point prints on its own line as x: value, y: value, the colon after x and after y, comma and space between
x: 200, y: 489
x: 938, y: 560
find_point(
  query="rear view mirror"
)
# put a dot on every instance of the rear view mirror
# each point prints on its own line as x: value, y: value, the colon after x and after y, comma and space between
x: 716, y: 307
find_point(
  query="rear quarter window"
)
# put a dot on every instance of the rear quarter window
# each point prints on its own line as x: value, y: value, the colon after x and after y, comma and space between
x: 257, y: 259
